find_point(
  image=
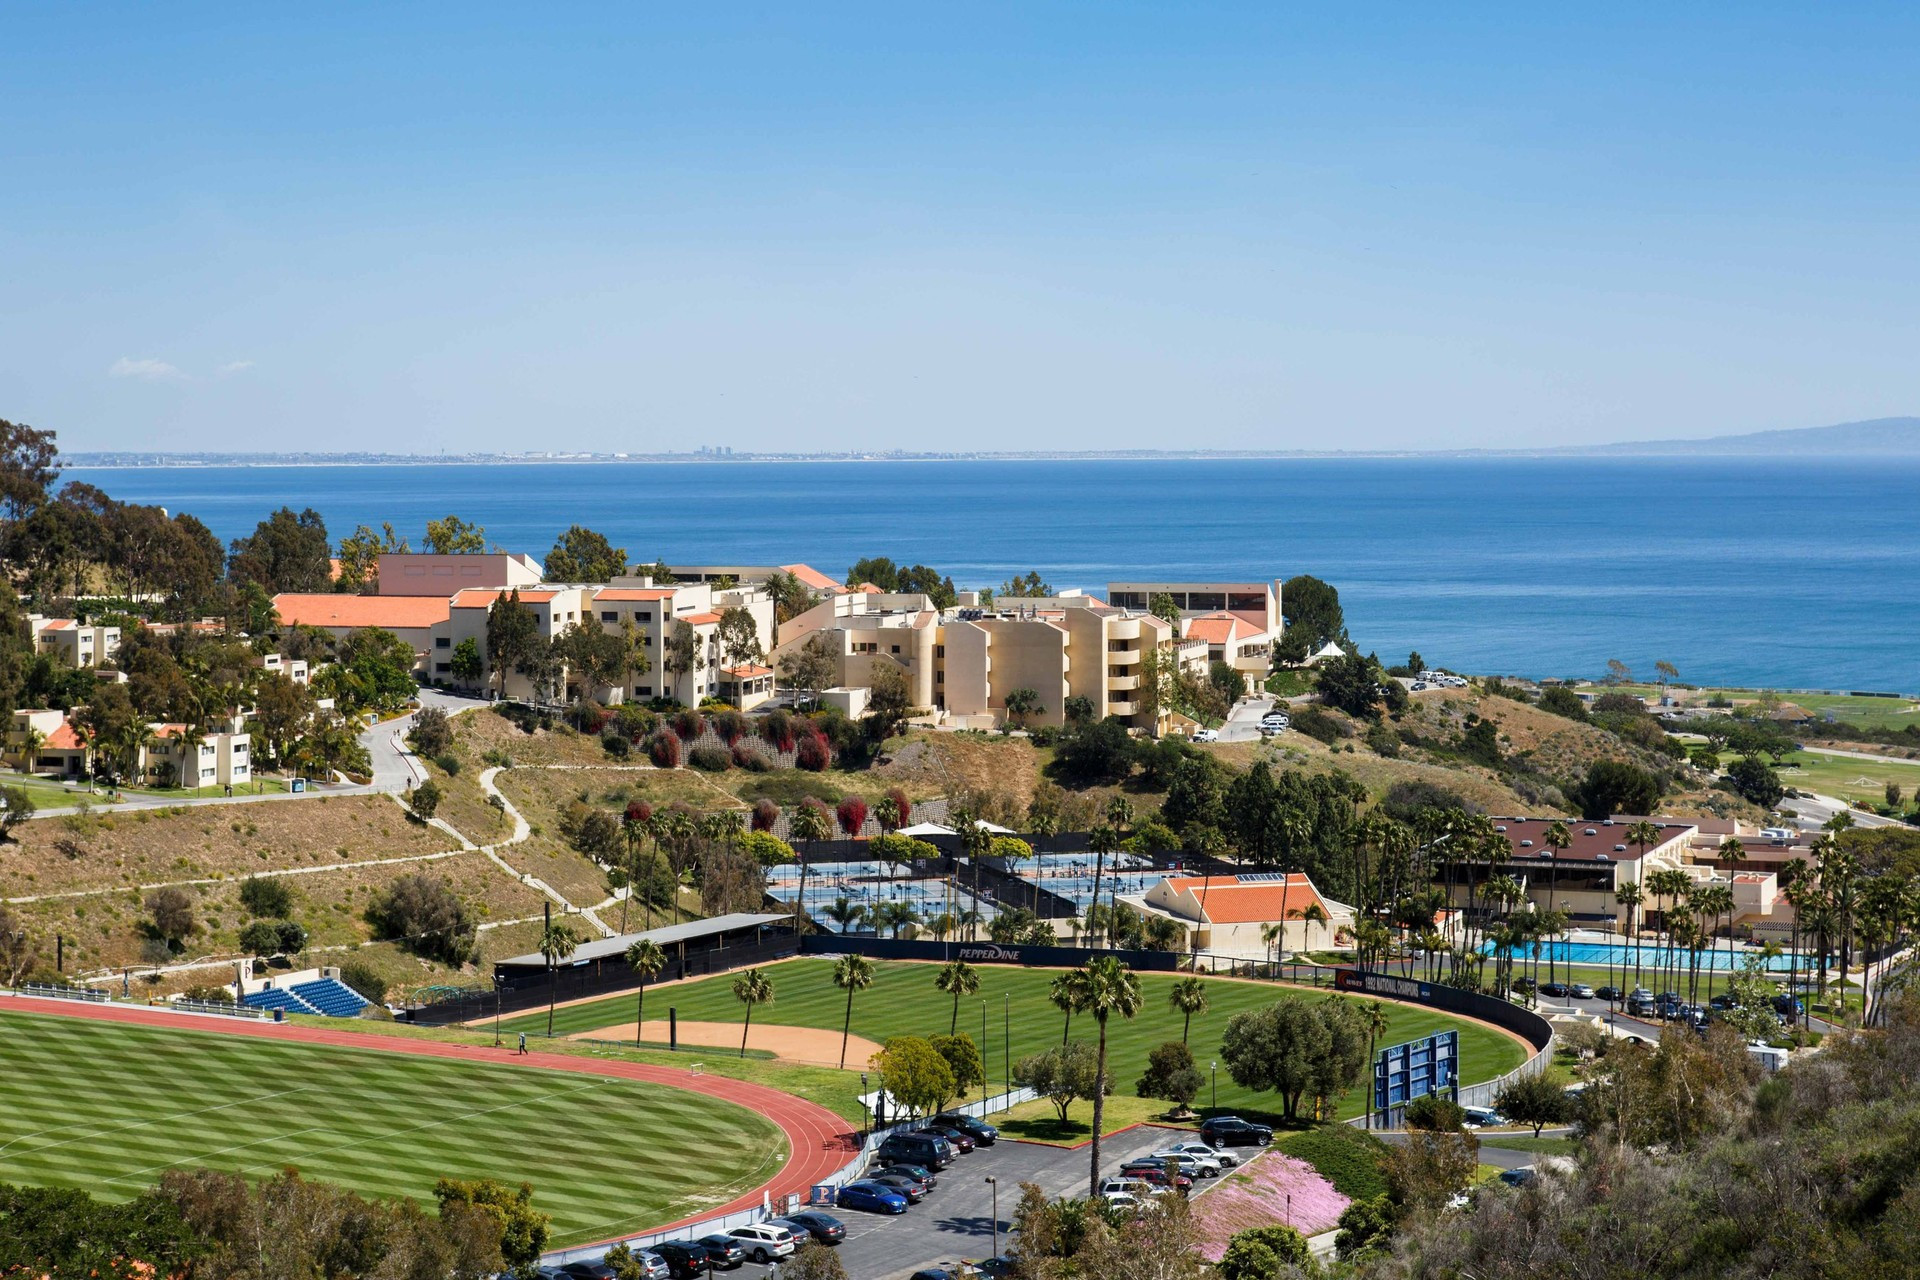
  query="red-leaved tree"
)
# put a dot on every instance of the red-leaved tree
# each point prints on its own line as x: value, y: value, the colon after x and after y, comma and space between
x: 852, y: 814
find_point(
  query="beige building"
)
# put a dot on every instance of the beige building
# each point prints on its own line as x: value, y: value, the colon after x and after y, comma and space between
x: 1230, y: 915
x: 44, y: 742
x: 414, y: 574
x: 72, y: 643
x: 1240, y: 622
x: 176, y: 758
x: 421, y: 621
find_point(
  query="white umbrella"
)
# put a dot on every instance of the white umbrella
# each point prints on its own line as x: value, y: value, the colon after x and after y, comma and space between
x: 926, y: 829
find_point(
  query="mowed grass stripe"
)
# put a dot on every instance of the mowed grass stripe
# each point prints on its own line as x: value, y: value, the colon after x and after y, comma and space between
x: 904, y: 1001
x: 105, y: 1107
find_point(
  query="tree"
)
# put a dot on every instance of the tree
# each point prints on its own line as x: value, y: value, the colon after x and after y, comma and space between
x: 682, y: 649
x: 597, y: 658
x: 1063, y: 1074
x: 1231, y: 684
x: 581, y: 555
x: 1103, y: 987
x: 1022, y: 705
x: 16, y: 806
x: 424, y: 800
x: 1171, y: 1074
x: 1429, y: 1169
x: 1537, y: 1100
x: 1298, y: 1049
x: 170, y: 913
x: 557, y: 942
x: 424, y: 915
x: 791, y: 597
x: 18, y: 952
x: 752, y: 988
x: 523, y: 1228
x: 1188, y: 996
x: 432, y: 733
x: 1351, y: 683
x: 1029, y: 586
x: 888, y: 700
x: 646, y: 959
x: 1756, y: 781
x: 467, y: 666
x: 739, y: 638
x: 914, y: 1074
x: 1089, y: 754
x: 513, y: 633
x: 453, y: 536
x: 957, y: 978
x: 1312, y: 612
x: 963, y: 1058
x: 1615, y: 786
x: 28, y: 467
x: 1165, y: 607
x: 1077, y: 709
x: 813, y: 1261
x: 810, y: 668
x: 285, y: 552
x: 851, y: 973
x: 1562, y: 701
x: 1264, y: 1253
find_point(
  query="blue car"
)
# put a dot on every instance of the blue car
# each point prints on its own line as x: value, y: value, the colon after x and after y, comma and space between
x: 873, y: 1197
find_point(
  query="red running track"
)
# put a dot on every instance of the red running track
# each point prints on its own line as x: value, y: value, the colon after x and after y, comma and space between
x: 819, y: 1141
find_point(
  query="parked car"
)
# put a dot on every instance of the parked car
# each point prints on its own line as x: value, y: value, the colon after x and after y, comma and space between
x: 764, y: 1241
x: 1418, y: 686
x: 934, y: 1273
x: 1225, y: 1159
x: 1517, y: 1177
x: 1206, y: 735
x: 1204, y: 1166
x: 655, y: 1265
x: 871, y: 1196
x: 1232, y: 1131
x: 1555, y: 989
x: 1481, y: 1117
x: 823, y: 1227
x: 1721, y: 1001
x: 994, y: 1268
x: 587, y: 1271
x: 960, y: 1141
x: 1608, y: 993
x: 918, y: 1172
x: 1139, y: 1188
x: 924, y: 1149
x: 1581, y: 991
x: 1155, y: 1174
x: 914, y: 1190
x: 982, y: 1133
x: 1787, y: 1006
x: 685, y: 1259
x: 723, y: 1251
x: 1641, y: 1006
x: 1121, y: 1199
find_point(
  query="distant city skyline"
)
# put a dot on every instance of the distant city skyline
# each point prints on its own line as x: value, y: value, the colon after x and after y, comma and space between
x: 1006, y: 228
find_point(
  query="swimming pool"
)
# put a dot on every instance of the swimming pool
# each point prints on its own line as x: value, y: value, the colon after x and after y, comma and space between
x: 1614, y: 955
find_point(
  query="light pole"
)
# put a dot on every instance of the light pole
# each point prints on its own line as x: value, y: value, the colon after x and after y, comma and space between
x: 1216, y: 1088
x: 985, y: 1075
x: 995, y: 1184
x: 1006, y: 1041
x: 866, y: 1128
x: 499, y: 988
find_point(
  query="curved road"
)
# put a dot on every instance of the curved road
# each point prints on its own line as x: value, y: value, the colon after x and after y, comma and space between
x: 819, y: 1142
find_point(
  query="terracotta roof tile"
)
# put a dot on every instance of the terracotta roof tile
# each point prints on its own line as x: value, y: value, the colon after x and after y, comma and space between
x: 1229, y: 901
x: 747, y: 671
x: 812, y: 577
x: 329, y: 609
x: 63, y: 738
x: 700, y: 619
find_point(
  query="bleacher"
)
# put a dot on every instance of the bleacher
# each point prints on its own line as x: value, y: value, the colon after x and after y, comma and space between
x: 332, y: 997
x: 278, y: 998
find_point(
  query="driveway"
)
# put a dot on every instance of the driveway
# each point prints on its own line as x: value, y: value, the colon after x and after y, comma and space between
x: 1243, y: 722
x: 1818, y: 809
x: 395, y: 767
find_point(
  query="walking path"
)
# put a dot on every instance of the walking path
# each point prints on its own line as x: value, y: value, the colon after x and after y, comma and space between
x: 521, y: 830
x: 818, y: 1141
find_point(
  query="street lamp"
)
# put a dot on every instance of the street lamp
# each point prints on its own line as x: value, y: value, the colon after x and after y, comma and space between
x: 1216, y: 1088
x: 499, y: 988
x: 995, y: 1184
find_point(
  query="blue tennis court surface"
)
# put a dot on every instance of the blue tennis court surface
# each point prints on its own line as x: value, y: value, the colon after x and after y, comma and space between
x: 1613, y: 955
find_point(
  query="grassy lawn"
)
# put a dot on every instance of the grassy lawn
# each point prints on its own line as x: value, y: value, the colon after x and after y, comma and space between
x: 1038, y: 1121
x: 1848, y: 777
x: 1886, y: 713
x: 1527, y: 1142
x: 106, y: 1108
x: 904, y: 1001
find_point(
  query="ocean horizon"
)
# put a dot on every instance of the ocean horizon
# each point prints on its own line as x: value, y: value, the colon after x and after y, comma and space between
x: 1747, y: 571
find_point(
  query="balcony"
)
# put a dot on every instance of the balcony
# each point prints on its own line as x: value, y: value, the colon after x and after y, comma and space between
x: 1123, y: 657
x: 1122, y: 684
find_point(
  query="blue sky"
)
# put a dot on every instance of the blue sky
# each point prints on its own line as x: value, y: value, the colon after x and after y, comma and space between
x: 636, y: 227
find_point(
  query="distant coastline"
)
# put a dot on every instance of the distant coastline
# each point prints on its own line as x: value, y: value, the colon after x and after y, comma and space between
x: 1881, y: 437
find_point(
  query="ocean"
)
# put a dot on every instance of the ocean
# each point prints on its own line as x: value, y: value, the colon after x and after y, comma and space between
x: 1782, y: 572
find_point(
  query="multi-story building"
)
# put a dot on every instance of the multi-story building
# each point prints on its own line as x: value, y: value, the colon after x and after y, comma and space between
x: 72, y: 643
x: 415, y: 574
x: 43, y: 741
x: 1240, y: 622
x: 176, y: 757
x: 421, y: 621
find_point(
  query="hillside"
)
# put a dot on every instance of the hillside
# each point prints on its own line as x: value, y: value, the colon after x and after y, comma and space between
x: 1875, y: 436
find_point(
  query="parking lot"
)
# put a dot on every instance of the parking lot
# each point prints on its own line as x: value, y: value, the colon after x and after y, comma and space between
x: 955, y: 1221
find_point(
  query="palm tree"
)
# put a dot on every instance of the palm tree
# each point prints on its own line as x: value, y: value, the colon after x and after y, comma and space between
x: 811, y: 823
x: 1271, y: 936
x: 1558, y: 840
x: 851, y: 973
x: 846, y: 913
x: 1188, y: 997
x: 957, y: 978
x: 635, y: 832
x: 30, y: 743
x: 1060, y: 995
x: 751, y: 988
x: 1630, y: 896
x: 1313, y: 913
x: 645, y: 958
x: 1793, y: 875
x: 1103, y: 840
x: 557, y: 942
x: 1373, y: 1016
x: 1102, y: 987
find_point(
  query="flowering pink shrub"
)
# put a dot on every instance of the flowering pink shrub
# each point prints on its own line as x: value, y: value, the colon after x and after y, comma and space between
x: 1255, y: 1195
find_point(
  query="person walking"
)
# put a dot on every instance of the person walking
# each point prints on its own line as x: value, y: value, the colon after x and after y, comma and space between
x: 523, y: 1042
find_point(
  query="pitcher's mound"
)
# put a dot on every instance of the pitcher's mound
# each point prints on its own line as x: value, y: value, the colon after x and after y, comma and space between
x: 814, y: 1046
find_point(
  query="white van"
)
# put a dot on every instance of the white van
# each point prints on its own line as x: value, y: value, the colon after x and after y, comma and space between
x: 764, y: 1241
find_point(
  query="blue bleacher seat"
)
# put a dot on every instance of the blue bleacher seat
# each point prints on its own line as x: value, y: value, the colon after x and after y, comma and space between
x: 278, y: 998
x: 331, y: 997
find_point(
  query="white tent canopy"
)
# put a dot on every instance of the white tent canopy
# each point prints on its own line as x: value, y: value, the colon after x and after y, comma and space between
x: 926, y: 829
x: 993, y: 828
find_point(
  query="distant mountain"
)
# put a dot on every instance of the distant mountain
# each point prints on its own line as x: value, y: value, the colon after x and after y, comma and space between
x: 1884, y: 436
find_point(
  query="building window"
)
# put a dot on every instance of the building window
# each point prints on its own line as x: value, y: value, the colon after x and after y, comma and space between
x: 939, y: 677
x: 443, y: 642
x: 609, y: 615
x: 645, y: 615
x: 443, y: 667
x: 894, y: 649
x: 643, y: 690
x: 939, y: 651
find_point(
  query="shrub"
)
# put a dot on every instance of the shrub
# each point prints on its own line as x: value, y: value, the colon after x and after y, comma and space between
x: 615, y: 745
x: 432, y: 733
x: 902, y: 804
x: 425, y: 916
x: 425, y: 799
x: 730, y: 725
x: 745, y: 757
x: 1383, y: 741
x: 171, y: 913
x: 364, y: 978
x: 777, y: 730
x: 664, y: 749
x: 689, y: 724
x: 1319, y: 724
x: 766, y: 849
x: 1171, y: 1075
x: 1562, y: 701
x: 637, y: 811
x: 852, y: 815
x: 765, y: 814
x: 497, y: 757
x: 267, y: 896
x: 635, y: 721
x: 208, y: 995
x: 1434, y: 1112
x: 1614, y: 786
x: 273, y: 937
x: 710, y: 759
x: 813, y: 754
x: 1343, y: 1155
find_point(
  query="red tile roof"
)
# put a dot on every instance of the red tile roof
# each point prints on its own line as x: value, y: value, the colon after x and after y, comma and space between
x: 63, y: 738
x: 812, y: 577
x: 329, y: 609
x: 1214, y: 628
x: 1230, y: 901
x: 57, y: 624
x: 1592, y: 841
x: 483, y: 597
x: 747, y: 671
x: 700, y: 619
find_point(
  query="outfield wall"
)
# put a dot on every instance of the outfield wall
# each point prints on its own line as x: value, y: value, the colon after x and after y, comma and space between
x: 833, y: 944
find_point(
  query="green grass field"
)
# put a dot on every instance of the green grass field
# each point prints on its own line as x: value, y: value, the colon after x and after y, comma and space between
x: 1883, y: 713
x: 1850, y: 777
x: 106, y: 1108
x: 904, y: 1001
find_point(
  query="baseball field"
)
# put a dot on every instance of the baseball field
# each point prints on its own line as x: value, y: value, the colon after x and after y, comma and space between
x: 1019, y: 1019
x: 108, y: 1107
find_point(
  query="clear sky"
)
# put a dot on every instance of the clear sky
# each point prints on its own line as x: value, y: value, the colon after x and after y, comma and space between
x: 649, y: 226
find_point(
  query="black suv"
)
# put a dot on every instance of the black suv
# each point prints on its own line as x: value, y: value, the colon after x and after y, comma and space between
x: 723, y: 1250
x: 1232, y: 1131
x: 685, y: 1259
x: 982, y: 1133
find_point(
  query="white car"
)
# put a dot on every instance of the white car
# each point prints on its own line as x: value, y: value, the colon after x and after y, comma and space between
x: 1206, y: 735
x: 1199, y: 1166
x: 1223, y: 1156
x: 1134, y: 1188
x: 763, y: 1241
x: 1481, y: 1117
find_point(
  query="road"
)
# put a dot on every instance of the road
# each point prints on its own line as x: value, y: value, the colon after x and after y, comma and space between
x: 1819, y: 809
x: 1243, y: 722
x: 395, y: 767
